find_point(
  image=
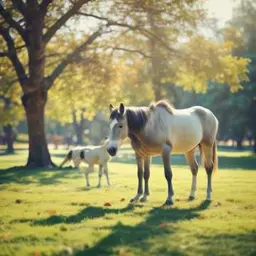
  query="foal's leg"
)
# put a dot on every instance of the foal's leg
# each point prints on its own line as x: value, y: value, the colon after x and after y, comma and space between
x: 100, y: 175
x: 106, y: 172
x: 139, y: 161
x: 191, y: 159
x: 76, y: 162
x: 208, y: 164
x: 88, y: 170
x: 168, y: 173
x: 146, y: 178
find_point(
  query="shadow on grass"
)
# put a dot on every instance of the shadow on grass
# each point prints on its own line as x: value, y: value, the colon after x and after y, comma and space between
x: 90, y: 212
x: 155, y: 225
x: 132, y: 236
x: 23, y: 175
x: 229, y: 244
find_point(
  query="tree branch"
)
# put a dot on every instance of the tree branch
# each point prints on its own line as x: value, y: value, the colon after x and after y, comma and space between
x: 14, y: 24
x: 4, y: 54
x: 44, y: 5
x: 144, y: 31
x: 12, y: 55
x: 130, y: 50
x: 61, y: 21
x: 71, y: 57
x: 20, y: 6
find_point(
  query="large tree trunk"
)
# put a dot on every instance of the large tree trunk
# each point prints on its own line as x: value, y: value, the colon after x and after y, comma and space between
x: 9, y: 138
x: 34, y: 104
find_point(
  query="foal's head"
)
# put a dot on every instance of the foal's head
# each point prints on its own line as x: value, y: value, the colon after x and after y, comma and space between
x: 118, y: 128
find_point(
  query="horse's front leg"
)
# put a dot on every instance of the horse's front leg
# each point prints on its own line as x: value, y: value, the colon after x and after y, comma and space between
x: 146, y: 178
x: 168, y: 173
x: 139, y: 161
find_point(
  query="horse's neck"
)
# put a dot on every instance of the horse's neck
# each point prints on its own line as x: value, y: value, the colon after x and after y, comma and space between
x: 137, y: 118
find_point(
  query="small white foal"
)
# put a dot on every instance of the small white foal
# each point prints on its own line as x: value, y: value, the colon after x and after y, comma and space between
x: 90, y: 155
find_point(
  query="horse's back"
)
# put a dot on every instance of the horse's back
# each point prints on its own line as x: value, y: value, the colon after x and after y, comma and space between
x: 186, y: 128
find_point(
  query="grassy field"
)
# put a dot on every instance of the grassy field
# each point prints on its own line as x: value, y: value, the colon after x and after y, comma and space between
x: 48, y: 212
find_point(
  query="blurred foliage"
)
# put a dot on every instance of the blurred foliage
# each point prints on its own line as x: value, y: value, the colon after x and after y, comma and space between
x: 11, y: 111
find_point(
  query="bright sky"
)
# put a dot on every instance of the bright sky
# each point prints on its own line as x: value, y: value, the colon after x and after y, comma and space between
x: 220, y: 9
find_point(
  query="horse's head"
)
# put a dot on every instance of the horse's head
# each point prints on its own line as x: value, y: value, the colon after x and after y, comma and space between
x: 118, y: 128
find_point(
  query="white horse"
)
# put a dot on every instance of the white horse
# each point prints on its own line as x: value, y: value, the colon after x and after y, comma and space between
x: 161, y: 130
x: 90, y: 155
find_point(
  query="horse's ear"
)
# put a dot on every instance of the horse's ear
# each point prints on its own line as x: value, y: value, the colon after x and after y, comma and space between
x: 121, y: 109
x: 111, y: 108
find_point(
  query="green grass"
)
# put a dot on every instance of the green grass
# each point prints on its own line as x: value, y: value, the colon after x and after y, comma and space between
x: 48, y: 212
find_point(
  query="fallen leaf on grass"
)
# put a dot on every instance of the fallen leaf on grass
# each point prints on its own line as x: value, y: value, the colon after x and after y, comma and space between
x: 123, y: 252
x: 122, y: 199
x: 63, y: 228
x: 18, y: 201
x: 107, y: 204
x: 163, y: 225
x: 217, y: 204
x: 6, y: 235
x: 37, y: 254
x: 51, y: 211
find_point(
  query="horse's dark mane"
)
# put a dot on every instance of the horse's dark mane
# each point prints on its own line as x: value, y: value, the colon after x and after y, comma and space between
x: 163, y: 104
x: 137, y: 118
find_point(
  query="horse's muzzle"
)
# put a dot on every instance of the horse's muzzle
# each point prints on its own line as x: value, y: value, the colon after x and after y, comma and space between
x: 112, y: 151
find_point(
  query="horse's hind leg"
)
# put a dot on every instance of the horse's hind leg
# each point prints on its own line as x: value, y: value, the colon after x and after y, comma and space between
x: 208, y: 164
x: 146, y: 178
x: 191, y: 159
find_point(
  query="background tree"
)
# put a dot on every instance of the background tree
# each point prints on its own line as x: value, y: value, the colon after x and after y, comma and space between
x: 10, y: 106
x: 29, y: 27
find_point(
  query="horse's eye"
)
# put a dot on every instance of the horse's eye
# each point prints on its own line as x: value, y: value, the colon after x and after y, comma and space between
x: 120, y: 126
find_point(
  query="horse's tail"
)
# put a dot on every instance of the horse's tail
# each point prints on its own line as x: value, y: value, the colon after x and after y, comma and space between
x: 215, y: 157
x: 67, y: 158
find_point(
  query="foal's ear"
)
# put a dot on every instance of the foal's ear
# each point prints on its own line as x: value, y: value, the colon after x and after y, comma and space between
x: 111, y: 108
x: 121, y: 109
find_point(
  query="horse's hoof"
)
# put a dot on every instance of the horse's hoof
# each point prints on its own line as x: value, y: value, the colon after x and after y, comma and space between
x: 168, y: 202
x: 191, y: 198
x: 143, y: 200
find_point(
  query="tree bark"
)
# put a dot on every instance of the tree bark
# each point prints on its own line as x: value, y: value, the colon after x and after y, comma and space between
x: 34, y: 104
x: 9, y: 138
